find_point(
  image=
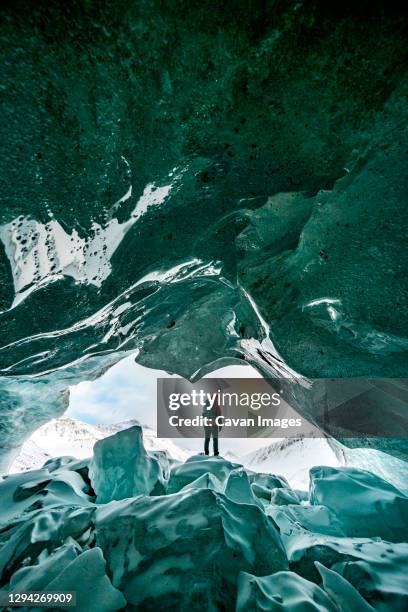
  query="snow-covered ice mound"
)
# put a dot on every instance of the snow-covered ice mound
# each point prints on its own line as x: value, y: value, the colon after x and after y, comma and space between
x: 131, y: 529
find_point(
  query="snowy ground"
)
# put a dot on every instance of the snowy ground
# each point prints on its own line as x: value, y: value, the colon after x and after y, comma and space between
x: 293, y: 458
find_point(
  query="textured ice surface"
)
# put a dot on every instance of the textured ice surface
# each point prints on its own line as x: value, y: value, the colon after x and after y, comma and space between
x: 281, y: 591
x: 289, y: 591
x: 196, y: 466
x: 381, y: 511
x: 342, y: 592
x: 39, y: 489
x: 121, y: 467
x: 94, y: 590
x: 186, y: 548
x: 390, y: 468
x: 205, y: 535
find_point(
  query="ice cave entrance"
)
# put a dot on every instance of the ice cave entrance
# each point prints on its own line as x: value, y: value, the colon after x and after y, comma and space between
x: 126, y: 394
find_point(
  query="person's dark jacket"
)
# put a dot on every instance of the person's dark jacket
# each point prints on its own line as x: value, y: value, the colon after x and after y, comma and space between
x: 212, y: 413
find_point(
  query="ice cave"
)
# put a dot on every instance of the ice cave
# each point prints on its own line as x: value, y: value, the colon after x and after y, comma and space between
x: 190, y: 186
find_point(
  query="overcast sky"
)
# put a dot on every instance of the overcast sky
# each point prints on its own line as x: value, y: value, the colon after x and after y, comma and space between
x: 128, y: 391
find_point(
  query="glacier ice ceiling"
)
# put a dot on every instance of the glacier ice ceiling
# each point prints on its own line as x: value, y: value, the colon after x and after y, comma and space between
x: 200, y: 185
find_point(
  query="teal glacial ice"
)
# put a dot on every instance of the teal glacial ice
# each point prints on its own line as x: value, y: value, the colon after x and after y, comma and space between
x: 199, y: 184
x: 202, y: 535
x: 236, y: 194
x: 121, y: 467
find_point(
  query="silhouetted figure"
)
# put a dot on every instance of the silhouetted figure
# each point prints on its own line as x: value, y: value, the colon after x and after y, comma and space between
x: 212, y: 429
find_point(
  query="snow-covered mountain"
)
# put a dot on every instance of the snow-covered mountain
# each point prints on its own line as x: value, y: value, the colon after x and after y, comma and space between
x: 293, y: 458
x: 67, y: 436
x: 230, y: 456
x: 31, y: 456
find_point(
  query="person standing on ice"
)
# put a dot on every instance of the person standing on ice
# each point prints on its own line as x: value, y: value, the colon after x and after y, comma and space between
x: 211, y: 427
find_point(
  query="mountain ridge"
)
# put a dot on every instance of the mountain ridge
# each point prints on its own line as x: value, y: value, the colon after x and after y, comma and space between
x: 73, y: 437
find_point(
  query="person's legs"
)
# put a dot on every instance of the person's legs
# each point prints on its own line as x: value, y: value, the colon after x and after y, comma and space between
x: 207, y: 433
x: 215, y: 439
